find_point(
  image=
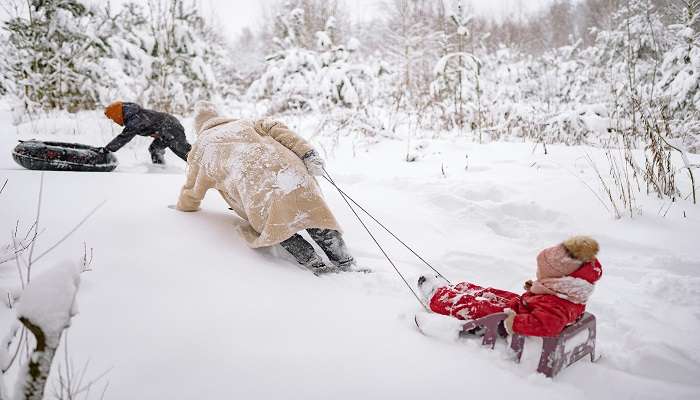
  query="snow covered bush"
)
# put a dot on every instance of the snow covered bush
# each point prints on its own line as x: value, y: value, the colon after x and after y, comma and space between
x: 287, y: 81
x: 577, y: 126
x: 68, y: 56
x: 301, y: 78
x: 45, y: 308
x: 53, y: 56
x: 340, y: 81
x: 458, y: 72
x: 41, y: 304
x: 680, y: 81
x: 163, y: 58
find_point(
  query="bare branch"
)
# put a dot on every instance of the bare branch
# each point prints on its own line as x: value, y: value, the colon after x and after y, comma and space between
x: 67, y: 235
x: 71, y: 383
x: 36, y: 227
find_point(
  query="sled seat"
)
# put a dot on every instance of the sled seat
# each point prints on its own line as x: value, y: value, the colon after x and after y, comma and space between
x: 554, y: 355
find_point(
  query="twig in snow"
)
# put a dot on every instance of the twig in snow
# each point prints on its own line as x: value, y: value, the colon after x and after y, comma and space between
x: 36, y: 227
x: 589, y: 187
x: 606, y: 187
x: 22, y: 338
x: 67, y: 235
x: 70, y: 388
x: 86, y: 263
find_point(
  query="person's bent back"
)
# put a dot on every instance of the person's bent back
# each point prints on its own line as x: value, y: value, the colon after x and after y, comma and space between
x: 164, y: 128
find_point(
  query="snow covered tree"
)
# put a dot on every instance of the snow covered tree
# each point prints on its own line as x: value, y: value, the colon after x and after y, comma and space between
x: 53, y: 58
x: 628, y: 57
x: 310, y: 17
x: 236, y: 78
x: 297, y: 77
x: 163, y: 55
x: 290, y: 72
x: 341, y: 81
x: 680, y: 82
x: 412, y: 46
x: 180, y: 74
x: 129, y: 64
x: 458, y: 72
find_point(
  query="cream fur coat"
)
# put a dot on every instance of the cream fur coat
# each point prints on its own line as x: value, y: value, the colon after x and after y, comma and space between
x: 256, y: 166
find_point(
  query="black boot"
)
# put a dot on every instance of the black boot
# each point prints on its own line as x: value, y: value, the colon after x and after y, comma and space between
x: 157, y: 150
x: 332, y: 243
x: 305, y: 254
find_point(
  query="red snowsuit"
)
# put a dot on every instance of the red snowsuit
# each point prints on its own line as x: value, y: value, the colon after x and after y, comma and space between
x: 536, y: 314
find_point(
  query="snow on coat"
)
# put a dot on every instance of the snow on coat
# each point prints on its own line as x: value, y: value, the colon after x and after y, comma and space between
x: 256, y: 166
x: 536, y: 314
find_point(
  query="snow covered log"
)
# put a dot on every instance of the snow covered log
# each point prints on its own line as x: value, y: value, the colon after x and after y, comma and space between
x: 45, y: 309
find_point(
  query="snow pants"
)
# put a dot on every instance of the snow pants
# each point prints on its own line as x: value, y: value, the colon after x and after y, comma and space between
x: 469, y: 301
x: 177, y: 144
x: 329, y: 240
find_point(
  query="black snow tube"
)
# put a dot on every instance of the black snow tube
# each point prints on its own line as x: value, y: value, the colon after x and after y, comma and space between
x: 58, y: 156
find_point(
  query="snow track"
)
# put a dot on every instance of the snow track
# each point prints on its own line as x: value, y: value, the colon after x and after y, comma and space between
x: 181, y: 308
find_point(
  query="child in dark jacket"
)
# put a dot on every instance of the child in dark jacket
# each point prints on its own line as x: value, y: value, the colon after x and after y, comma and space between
x: 566, y: 275
x: 164, y: 128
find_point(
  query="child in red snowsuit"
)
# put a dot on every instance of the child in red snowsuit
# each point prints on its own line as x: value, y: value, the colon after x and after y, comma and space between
x: 566, y: 274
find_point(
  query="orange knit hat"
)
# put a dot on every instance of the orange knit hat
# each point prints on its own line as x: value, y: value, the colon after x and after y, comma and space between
x: 115, y: 112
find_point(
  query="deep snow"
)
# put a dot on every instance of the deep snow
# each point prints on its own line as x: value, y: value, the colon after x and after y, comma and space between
x: 180, y: 308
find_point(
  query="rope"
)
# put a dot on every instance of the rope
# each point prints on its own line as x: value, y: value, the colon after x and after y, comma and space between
x: 385, y: 228
x: 342, y: 194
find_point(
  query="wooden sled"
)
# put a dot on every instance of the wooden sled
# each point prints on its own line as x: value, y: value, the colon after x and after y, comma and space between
x: 554, y: 356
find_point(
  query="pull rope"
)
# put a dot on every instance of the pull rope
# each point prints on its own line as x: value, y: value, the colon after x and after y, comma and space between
x: 345, y: 195
x: 342, y: 194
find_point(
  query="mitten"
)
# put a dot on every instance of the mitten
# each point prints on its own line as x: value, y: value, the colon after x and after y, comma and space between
x: 314, y: 163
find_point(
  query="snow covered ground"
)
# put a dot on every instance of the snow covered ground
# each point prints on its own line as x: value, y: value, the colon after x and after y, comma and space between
x: 178, y: 307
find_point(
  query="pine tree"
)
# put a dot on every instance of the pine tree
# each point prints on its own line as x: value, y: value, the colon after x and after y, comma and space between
x: 53, y: 58
x: 680, y: 83
x: 180, y: 73
x: 163, y: 56
x: 412, y: 46
x: 458, y: 72
x: 290, y: 71
x: 297, y: 77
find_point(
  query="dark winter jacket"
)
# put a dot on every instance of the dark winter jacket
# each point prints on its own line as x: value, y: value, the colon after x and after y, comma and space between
x: 139, y: 121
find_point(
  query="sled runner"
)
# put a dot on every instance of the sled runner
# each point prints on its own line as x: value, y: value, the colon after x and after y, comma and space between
x: 554, y: 357
x: 59, y: 156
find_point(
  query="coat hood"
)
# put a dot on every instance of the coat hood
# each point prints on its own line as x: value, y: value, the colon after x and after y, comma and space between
x: 120, y: 112
x: 130, y: 109
x: 115, y: 112
x: 204, y: 111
